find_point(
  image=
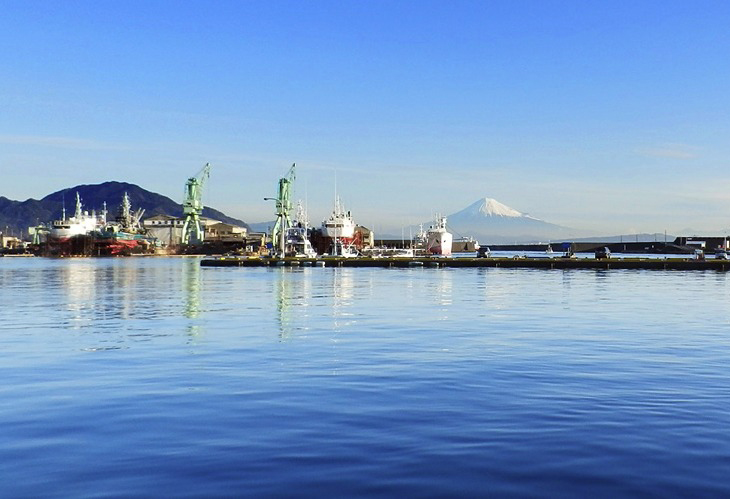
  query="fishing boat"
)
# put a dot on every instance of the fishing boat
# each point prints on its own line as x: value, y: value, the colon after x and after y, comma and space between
x: 465, y: 244
x: 340, y: 224
x: 81, y: 223
x: 338, y: 231
x: 438, y: 239
x: 297, y: 237
x: 125, y: 235
x: 73, y: 235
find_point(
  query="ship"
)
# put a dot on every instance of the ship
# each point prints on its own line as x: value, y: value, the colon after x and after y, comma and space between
x: 297, y: 236
x: 124, y: 236
x: 71, y: 235
x: 81, y: 223
x: 338, y: 232
x: 438, y: 240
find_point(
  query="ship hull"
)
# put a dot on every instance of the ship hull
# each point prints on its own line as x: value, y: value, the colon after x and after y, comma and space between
x: 439, y: 243
x: 122, y: 243
x: 346, y: 233
x: 77, y: 245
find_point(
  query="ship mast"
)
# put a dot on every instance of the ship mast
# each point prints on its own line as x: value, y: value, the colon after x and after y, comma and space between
x: 78, y: 207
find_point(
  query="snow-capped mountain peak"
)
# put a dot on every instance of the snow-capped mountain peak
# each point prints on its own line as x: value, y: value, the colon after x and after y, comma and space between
x: 488, y: 207
x: 490, y: 221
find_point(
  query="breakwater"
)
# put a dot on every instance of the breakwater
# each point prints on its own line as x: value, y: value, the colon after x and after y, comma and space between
x: 534, y: 263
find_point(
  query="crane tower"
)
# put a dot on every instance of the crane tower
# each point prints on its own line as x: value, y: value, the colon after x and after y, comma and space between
x: 283, y: 209
x: 193, y: 206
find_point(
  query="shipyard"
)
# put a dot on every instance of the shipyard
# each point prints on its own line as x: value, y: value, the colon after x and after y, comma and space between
x: 291, y: 240
x: 365, y: 249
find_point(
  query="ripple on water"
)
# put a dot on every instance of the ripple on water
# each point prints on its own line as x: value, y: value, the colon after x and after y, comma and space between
x: 156, y: 377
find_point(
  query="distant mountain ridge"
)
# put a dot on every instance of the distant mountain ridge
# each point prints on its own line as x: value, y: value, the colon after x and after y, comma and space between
x: 17, y: 216
x: 492, y: 222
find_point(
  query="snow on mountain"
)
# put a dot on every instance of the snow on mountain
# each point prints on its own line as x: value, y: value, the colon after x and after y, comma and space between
x: 490, y: 207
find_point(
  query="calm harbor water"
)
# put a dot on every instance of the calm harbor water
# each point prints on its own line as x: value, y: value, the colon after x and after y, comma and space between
x: 156, y: 377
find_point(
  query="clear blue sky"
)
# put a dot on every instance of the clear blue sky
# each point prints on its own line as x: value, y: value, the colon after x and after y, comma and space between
x: 612, y: 116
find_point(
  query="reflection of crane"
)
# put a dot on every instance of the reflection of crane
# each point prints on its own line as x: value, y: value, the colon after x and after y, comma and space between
x: 283, y: 209
x: 193, y: 206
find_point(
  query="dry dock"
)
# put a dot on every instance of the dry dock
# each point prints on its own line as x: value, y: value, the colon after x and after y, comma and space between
x: 532, y: 263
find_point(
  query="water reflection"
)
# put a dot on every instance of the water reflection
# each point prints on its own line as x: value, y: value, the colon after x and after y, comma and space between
x: 191, y: 286
x: 118, y: 300
x: 343, y: 284
x: 297, y: 289
x: 441, y: 283
x: 292, y: 293
x: 79, y: 280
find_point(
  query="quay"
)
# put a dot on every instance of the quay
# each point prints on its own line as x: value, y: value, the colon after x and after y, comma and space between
x: 436, y: 262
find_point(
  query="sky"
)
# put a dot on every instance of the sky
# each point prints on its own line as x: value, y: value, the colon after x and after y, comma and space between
x: 604, y: 116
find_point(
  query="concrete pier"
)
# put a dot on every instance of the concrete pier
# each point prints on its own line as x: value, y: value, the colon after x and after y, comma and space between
x: 432, y: 262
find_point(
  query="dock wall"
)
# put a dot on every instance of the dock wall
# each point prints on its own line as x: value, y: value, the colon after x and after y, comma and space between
x: 528, y: 263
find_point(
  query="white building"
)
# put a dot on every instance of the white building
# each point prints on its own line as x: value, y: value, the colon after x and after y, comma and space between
x: 168, y: 229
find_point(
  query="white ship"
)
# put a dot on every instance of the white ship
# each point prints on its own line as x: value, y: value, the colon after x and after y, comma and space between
x: 438, y: 239
x: 339, y: 225
x: 297, y: 236
x: 80, y: 224
x: 339, y: 231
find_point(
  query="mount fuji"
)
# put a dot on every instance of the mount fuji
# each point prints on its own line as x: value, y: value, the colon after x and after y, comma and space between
x: 492, y: 222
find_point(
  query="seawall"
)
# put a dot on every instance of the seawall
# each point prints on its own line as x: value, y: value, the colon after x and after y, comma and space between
x: 531, y: 263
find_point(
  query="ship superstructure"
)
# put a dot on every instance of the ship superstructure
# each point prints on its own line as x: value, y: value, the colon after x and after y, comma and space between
x: 81, y: 223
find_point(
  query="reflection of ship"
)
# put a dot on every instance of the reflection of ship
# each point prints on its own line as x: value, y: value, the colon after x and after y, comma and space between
x: 338, y: 231
x: 438, y: 239
x: 125, y: 235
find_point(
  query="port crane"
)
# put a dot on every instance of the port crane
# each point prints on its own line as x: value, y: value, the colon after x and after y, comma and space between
x: 283, y: 210
x: 193, y: 206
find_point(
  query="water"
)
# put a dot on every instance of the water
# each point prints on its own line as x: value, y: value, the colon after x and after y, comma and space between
x: 155, y: 377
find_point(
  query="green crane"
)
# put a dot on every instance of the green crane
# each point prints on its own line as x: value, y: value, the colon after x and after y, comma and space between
x: 283, y: 210
x: 193, y: 206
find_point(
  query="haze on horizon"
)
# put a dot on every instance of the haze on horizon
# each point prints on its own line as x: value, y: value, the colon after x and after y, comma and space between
x: 611, y: 117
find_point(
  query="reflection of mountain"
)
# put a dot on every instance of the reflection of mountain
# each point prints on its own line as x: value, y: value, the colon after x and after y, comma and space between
x: 490, y: 221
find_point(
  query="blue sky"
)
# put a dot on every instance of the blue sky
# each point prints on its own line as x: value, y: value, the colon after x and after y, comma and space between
x: 611, y: 116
